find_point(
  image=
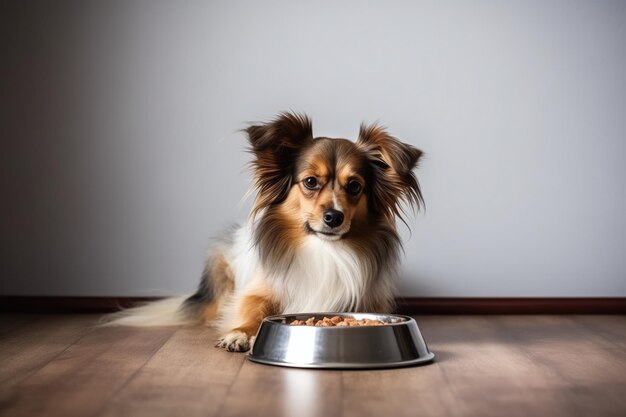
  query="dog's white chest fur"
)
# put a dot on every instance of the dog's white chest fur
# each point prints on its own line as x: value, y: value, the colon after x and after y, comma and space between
x: 322, y: 276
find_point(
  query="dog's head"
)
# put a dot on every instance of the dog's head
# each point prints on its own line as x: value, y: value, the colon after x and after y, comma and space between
x: 324, y: 187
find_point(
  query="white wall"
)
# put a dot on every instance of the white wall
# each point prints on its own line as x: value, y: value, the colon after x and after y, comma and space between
x: 120, y: 118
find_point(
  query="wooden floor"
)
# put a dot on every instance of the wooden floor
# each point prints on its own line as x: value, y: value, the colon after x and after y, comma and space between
x: 485, y: 366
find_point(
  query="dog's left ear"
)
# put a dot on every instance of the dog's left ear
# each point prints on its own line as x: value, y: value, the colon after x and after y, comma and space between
x: 393, y: 163
x: 275, y: 146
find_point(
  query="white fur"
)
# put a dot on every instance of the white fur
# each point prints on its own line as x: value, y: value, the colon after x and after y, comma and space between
x: 158, y: 313
x: 336, y: 204
x: 324, y: 276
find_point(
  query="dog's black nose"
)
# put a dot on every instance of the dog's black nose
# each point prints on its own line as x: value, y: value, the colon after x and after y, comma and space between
x: 333, y: 218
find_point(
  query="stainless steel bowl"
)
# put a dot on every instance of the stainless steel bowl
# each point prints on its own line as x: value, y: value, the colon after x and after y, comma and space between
x: 395, y: 344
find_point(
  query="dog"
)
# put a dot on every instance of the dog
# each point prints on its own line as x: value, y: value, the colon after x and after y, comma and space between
x: 321, y: 236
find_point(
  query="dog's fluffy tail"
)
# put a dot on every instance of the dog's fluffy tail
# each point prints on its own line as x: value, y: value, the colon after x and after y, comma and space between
x: 167, y: 312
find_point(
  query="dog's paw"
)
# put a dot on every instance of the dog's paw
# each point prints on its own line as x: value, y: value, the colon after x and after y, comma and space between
x: 235, y: 342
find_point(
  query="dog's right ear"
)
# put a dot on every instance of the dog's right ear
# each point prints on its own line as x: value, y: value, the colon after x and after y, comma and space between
x: 393, y: 163
x: 275, y: 146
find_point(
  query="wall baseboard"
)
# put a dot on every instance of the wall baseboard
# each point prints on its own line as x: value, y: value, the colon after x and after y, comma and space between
x: 513, y: 305
x: 409, y: 305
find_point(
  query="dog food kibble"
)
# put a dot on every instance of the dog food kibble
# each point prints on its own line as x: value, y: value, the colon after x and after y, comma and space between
x: 336, y: 321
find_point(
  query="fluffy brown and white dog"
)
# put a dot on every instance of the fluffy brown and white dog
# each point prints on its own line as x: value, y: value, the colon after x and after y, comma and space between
x: 321, y: 236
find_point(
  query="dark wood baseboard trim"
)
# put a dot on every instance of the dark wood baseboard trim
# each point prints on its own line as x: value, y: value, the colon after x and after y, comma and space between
x: 421, y: 305
x: 513, y: 305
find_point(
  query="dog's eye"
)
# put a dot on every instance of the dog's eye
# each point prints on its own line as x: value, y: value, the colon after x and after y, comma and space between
x: 353, y: 187
x: 310, y: 183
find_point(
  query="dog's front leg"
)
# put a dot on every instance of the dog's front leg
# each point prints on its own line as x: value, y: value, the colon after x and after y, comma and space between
x: 249, y: 311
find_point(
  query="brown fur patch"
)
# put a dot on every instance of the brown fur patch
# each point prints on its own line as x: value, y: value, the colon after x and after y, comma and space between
x: 223, y: 284
x: 209, y: 313
x: 280, y: 232
x: 223, y: 277
x: 253, y: 308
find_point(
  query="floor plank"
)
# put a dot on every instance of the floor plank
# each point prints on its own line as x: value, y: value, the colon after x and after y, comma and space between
x: 263, y: 390
x: 34, y: 342
x: 188, y: 377
x: 592, y: 368
x: 397, y: 392
x: 80, y: 380
x: 10, y: 322
x: 486, y: 373
x: 611, y: 328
